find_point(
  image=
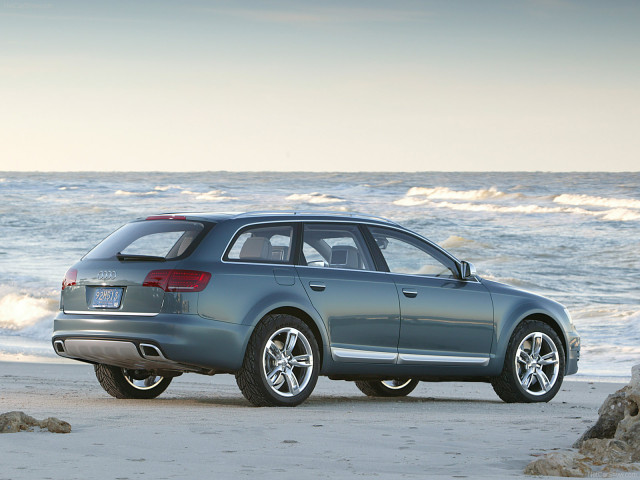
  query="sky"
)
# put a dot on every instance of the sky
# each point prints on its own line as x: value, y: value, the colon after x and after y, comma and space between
x: 297, y: 85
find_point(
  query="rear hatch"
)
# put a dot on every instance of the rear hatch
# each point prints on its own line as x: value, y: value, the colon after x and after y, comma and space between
x: 131, y: 270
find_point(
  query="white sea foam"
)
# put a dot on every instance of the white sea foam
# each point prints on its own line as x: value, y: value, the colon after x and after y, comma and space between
x: 618, y: 214
x: 210, y: 196
x: 68, y: 188
x: 135, y: 194
x: 164, y: 188
x: 314, y: 198
x: 455, y: 241
x: 444, y: 193
x: 19, y: 311
x: 567, y: 199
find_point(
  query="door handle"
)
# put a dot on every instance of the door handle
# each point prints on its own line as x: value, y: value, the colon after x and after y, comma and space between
x: 410, y: 292
x: 317, y: 286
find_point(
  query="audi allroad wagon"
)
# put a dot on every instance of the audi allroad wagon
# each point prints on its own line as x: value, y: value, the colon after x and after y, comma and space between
x: 279, y: 298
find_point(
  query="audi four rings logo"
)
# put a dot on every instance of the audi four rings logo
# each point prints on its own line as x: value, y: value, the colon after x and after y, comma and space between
x: 107, y: 275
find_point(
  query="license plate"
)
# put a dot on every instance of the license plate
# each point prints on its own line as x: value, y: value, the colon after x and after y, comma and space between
x: 106, y: 298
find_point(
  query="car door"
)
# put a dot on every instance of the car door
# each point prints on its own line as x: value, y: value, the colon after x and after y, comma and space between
x: 444, y: 320
x: 358, y: 305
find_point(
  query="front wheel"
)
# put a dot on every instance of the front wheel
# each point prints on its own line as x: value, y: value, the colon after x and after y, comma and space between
x: 396, y: 387
x: 533, y: 366
x: 129, y: 383
x: 281, y: 364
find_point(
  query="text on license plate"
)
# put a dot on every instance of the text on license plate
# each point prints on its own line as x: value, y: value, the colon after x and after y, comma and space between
x: 106, y: 298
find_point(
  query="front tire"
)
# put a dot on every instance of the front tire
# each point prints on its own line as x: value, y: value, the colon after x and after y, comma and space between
x: 281, y: 364
x: 533, y: 366
x: 396, y: 387
x: 128, y: 383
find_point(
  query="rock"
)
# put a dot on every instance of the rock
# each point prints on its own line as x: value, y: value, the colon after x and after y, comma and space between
x: 610, y: 414
x: 603, y: 451
x: 13, y: 422
x: 611, y: 445
x: 559, y: 465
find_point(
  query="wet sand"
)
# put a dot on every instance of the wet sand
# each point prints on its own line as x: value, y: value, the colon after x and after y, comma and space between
x: 202, y: 427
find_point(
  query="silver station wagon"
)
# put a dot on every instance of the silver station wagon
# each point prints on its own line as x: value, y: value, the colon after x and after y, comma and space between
x: 279, y: 298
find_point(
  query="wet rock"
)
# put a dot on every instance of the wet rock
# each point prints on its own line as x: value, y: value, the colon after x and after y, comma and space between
x: 610, y: 414
x: 13, y: 422
x: 559, y: 465
x: 612, y: 445
x: 604, y: 451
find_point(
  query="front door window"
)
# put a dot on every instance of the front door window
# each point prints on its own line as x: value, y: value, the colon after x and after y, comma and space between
x: 407, y: 255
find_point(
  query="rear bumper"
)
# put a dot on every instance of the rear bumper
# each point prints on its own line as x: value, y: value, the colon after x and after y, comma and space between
x: 165, y: 341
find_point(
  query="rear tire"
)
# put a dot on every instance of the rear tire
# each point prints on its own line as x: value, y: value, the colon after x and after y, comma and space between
x: 281, y: 364
x: 533, y: 366
x: 124, y: 383
x: 388, y: 388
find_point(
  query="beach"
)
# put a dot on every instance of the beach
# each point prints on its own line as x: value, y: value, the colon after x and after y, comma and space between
x: 202, y: 426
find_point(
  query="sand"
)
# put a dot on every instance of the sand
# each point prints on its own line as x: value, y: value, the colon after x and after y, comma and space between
x: 202, y: 427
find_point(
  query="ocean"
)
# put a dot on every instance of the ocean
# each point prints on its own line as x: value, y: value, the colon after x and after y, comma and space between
x: 573, y: 237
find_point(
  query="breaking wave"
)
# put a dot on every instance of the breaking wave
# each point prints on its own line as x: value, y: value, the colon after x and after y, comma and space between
x: 617, y: 214
x: 134, y: 194
x: 210, y: 196
x: 30, y: 316
x: 314, y: 198
x: 164, y: 188
x: 618, y: 203
x: 455, y: 241
x: 444, y: 193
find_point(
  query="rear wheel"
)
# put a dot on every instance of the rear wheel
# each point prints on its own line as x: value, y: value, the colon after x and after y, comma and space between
x: 397, y: 387
x: 281, y: 363
x: 129, y: 383
x: 533, y: 366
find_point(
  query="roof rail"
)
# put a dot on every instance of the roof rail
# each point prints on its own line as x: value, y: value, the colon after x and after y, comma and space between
x: 314, y: 212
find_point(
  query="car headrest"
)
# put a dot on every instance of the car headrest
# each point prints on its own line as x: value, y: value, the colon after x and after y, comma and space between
x: 256, y: 248
x: 345, y: 256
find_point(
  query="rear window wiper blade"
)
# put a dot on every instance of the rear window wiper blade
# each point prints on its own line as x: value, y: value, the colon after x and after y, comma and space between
x: 128, y: 257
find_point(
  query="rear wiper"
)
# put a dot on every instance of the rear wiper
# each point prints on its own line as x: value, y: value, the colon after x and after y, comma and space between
x: 127, y: 257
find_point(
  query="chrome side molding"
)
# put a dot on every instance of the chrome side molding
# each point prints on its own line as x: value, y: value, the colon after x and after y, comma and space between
x: 351, y: 355
x: 414, y: 359
x: 368, y: 356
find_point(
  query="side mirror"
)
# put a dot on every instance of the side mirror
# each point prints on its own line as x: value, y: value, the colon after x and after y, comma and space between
x: 468, y: 270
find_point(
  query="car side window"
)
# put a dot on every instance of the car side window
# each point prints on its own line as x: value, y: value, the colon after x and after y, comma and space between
x: 335, y: 246
x: 266, y: 244
x: 407, y: 255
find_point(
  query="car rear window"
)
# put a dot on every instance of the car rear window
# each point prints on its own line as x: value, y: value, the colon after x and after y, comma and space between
x: 166, y: 239
x: 266, y: 244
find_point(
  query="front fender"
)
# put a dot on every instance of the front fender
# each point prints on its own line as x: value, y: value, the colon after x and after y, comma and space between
x: 507, y: 321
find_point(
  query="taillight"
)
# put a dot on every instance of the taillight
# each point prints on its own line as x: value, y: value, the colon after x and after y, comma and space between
x: 70, y: 278
x: 177, y: 280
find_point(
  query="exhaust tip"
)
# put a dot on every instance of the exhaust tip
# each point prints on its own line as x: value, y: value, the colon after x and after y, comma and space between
x: 59, y: 346
x: 150, y: 351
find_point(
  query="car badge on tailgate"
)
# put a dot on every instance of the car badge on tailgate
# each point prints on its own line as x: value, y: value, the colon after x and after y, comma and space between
x: 107, y: 275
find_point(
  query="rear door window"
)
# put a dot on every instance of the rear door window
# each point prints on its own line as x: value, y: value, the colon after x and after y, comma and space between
x: 159, y: 239
x: 335, y: 246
